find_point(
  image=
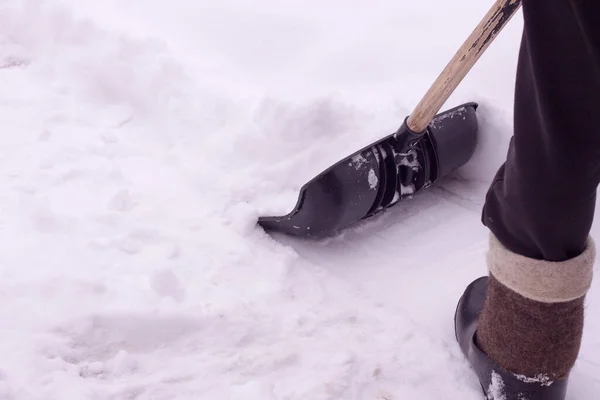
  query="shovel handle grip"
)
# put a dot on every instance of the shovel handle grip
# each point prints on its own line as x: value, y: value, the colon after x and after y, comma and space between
x: 462, y: 62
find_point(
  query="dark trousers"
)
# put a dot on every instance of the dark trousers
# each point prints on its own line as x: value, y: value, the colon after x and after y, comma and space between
x: 542, y: 200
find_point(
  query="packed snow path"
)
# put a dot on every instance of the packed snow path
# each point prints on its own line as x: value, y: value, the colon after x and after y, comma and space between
x: 140, y: 140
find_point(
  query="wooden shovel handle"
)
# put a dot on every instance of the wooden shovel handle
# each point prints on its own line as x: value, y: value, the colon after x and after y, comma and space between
x: 473, y: 48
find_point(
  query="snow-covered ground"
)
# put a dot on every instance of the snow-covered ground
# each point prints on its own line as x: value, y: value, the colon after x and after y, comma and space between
x: 139, y: 142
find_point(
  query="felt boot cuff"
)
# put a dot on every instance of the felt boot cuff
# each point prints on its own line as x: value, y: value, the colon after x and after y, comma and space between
x: 539, y: 280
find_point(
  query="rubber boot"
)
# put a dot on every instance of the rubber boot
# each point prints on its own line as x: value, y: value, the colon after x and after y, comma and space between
x: 496, y: 382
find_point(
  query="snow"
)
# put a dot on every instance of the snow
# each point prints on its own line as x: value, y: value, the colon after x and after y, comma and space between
x: 542, y: 379
x: 372, y: 179
x: 496, y: 389
x: 141, y: 140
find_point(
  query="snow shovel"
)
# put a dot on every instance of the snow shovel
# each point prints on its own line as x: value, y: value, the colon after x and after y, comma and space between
x: 424, y: 149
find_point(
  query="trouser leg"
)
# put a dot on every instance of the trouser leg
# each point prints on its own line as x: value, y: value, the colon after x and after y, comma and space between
x: 542, y: 201
x: 541, y: 204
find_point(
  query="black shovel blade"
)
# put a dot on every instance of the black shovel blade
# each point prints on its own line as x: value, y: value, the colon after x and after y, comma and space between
x: 380, y: 175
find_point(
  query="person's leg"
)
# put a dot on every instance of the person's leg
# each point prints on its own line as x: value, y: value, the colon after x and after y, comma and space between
x: 541, y: 204
x: 542, y: 201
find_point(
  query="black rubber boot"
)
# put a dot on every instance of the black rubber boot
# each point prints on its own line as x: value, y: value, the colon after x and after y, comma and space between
x: 496, y: 382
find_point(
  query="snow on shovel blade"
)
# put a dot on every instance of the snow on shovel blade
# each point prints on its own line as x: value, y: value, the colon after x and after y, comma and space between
x: 379, y: 176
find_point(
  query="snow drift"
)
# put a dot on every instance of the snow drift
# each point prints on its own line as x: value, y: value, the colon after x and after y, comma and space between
x: 141, y: 140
